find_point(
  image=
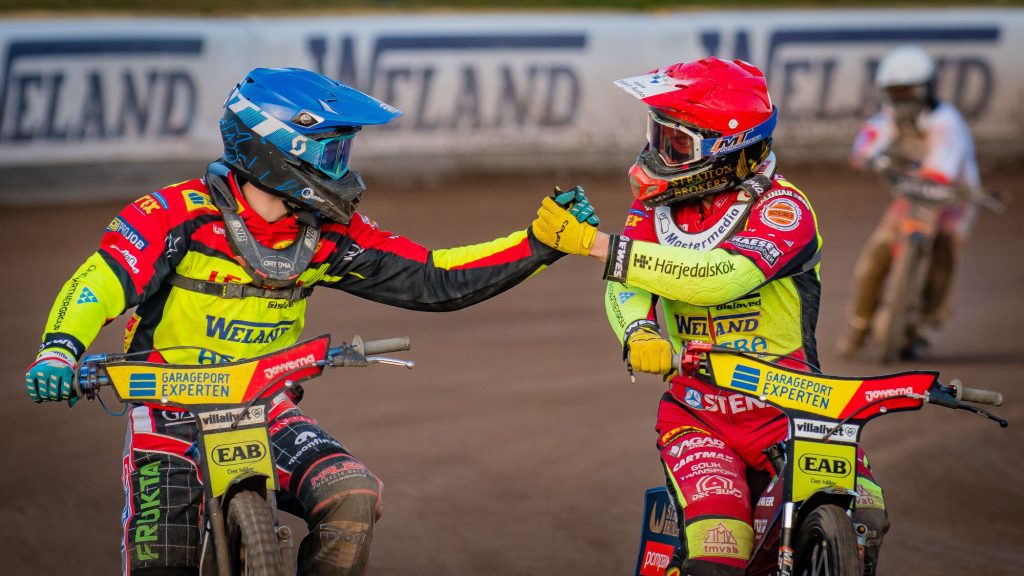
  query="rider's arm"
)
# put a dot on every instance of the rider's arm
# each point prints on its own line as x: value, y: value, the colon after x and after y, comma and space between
x: 629, y: 307
x: 391, y: 269
x: 780, y: 239
x: 950, y: 149
x: 129, y: 266
x: 872, y: 140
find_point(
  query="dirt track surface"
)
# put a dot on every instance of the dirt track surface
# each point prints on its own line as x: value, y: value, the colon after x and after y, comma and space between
x: 517, y: 445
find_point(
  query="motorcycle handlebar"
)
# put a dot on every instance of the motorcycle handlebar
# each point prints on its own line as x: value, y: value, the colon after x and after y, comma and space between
x: 979, y: 396
x: 371, y: 347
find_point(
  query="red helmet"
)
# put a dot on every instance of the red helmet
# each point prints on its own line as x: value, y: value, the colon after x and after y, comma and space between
x: 709, y: 127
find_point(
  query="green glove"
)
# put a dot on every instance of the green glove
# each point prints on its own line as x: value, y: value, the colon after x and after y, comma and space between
x: 567, y: 222
x: 51, y: 377
x: 578, y: 204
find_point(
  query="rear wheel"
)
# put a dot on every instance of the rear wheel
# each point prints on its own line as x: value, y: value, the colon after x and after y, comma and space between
x: 826, y: 544
x: 252, y: 543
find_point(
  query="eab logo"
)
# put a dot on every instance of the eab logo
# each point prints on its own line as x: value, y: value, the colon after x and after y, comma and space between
x: 239, y: 453
x: 823, y: 465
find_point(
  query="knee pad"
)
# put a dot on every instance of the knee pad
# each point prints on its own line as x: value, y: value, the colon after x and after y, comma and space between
x: 326, y: 486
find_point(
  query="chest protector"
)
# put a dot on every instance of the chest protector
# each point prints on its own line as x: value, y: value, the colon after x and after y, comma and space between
x: 274, y: 272
x: 735, y: 217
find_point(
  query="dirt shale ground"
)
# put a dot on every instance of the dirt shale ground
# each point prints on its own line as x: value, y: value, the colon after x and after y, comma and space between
x: 518, y: 446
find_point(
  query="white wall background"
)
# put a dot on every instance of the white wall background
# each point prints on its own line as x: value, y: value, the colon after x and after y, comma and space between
x: 483, y: 90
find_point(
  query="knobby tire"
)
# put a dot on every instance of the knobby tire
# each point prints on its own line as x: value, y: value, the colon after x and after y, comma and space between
x: 826, y: 544
x: 252, y: 542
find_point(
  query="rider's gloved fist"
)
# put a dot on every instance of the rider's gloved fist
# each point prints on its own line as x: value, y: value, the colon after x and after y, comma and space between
x: 567, y: 222
x: 649, y: 352
x: 576, y: 201
x: 50, y: 377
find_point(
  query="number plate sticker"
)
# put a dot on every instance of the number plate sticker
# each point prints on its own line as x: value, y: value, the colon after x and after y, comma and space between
x: 820, y: 465
x: 236, y: 453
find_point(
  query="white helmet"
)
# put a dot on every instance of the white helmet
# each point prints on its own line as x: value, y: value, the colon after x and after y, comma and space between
x: 907, y: 65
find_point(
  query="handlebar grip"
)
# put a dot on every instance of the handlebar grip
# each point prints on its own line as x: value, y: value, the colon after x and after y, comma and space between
x: 371, y: 347
x: 979, y: 396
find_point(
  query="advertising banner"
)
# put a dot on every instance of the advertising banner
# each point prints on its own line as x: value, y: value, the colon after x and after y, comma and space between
x: 483, y: 90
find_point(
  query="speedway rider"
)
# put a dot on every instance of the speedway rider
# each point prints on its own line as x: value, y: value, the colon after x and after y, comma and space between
x: 928, y: 141
x: 731, y: 250
x: 220, y: 268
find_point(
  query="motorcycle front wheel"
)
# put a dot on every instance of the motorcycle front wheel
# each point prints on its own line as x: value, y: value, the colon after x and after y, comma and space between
x: 252, y: 544
x: 826, y: 544
x: 895, y: 315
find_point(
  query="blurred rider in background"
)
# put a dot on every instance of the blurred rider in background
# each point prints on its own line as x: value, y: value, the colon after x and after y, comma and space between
x: 925, y: 140
x: 730, y: 250
x: 219, y: 269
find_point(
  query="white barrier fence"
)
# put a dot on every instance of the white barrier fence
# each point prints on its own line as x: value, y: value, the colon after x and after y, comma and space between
x: 483, y: 89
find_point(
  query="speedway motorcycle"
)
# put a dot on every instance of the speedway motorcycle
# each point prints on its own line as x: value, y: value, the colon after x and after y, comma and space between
x: 900, y: 310
x: 231, y: 401
x: 802, y: 518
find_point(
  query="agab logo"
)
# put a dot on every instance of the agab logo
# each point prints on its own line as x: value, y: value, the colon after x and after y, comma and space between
x: 822, y: 465
x: 239, y: 453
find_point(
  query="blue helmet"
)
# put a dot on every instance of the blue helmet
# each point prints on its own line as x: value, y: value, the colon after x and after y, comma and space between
x: 290, y: 132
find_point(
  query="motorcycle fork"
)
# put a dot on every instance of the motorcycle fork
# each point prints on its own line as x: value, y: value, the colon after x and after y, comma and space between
x: 220, y: 535
x: 283, y: 533
x: 786, y: 546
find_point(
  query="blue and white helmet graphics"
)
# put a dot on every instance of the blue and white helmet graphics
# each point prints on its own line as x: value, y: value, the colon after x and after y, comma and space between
x: 290, y: 131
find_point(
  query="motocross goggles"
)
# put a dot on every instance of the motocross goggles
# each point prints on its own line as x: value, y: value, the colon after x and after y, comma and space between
x: 678, y: 144
x: 334, y: 153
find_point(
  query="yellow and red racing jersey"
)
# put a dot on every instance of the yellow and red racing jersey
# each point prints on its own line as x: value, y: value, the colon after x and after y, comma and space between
x: 740, y: 272
x: 179, y: 230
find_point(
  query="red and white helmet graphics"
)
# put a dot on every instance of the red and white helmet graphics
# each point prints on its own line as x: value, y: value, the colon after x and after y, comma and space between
x: 702, y: 116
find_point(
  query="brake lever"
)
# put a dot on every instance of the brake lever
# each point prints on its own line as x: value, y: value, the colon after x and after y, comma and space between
x: 390, y: 361
x: 1003, y: 423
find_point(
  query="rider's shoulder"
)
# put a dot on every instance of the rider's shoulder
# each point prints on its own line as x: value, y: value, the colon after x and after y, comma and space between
x: 782, y: 188
x: 946, y: 117
x: 176, y: 200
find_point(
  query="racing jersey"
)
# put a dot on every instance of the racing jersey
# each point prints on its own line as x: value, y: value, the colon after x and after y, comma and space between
x: 179, y: 230
x: 938, y: 144
x: 740, y: 272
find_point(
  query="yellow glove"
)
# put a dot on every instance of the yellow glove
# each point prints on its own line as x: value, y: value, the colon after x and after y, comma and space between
x: 649, y: 352
x: 562, y: 230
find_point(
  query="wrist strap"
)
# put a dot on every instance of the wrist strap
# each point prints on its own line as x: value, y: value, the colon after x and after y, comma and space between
x: 619, y: 249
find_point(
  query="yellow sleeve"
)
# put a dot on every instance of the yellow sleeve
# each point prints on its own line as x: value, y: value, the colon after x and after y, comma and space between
x: 628, y: 308
x: 91, y: 298
x: 682, y: 274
